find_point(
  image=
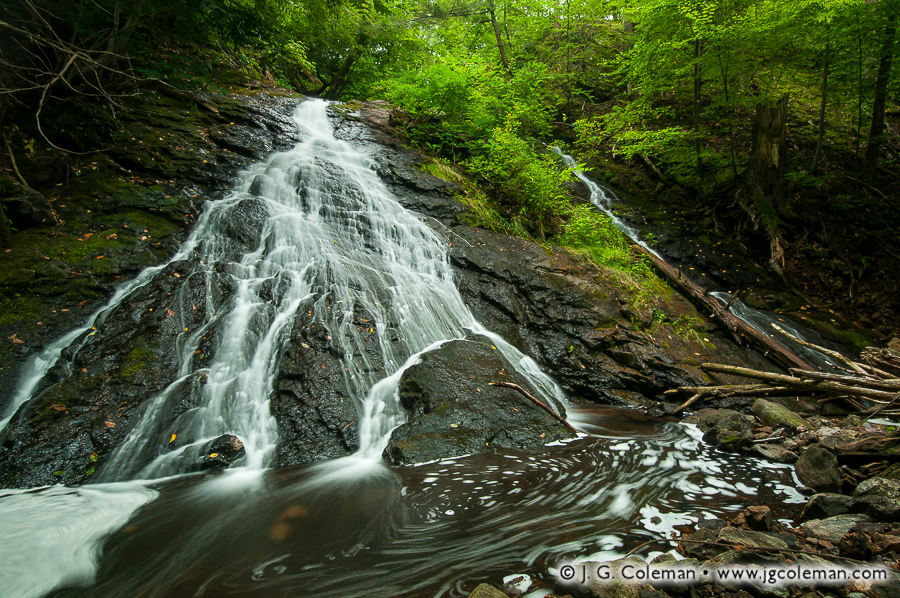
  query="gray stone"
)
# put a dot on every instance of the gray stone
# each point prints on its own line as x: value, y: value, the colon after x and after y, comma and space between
x: 878, y: 487
x: 706, y: 419
x: 831, y: 437
x: 879, y: 498
x: 833, y: 528
x: 731, y: 434
x: 613, y: 588
x: 486, y: 591
x: 817, y: 467
x: 776, y: 453
x: 851, y: 421
x: 773, y: 414
x: 733, y: 535
x: 747, y: 556
x: 824, y: 505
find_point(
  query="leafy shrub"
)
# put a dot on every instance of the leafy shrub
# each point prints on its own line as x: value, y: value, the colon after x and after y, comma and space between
x: 530, y: 186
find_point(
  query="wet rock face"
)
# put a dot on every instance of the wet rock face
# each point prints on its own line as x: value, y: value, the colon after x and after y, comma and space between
x: 218, y: 453
x: 316, y: 417
x: 117, y: 222
x: 83, y: 410
x: 455, y: 411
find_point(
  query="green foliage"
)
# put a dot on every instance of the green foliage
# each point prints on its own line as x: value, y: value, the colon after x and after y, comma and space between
x: 594, y: 236
x: 530, y: 186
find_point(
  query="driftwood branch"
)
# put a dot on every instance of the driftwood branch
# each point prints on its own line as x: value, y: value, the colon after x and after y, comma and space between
x: 833, y: 354
x: 537, y: 402
x: 856, y: 388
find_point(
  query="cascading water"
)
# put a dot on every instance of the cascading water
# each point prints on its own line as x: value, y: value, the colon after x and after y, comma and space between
x: 602, y: 199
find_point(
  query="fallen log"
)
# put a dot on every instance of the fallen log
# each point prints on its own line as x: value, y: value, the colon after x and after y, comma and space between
x: 833, y: 354
x: 803, y: 383
x: 737, y: 327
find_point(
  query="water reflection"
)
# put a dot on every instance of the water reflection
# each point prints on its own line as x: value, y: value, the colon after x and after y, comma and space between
x: 432, y: 530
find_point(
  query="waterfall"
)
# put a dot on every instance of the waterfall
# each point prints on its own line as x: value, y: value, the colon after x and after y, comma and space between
x: 602, y: 198
x: 327, y: 240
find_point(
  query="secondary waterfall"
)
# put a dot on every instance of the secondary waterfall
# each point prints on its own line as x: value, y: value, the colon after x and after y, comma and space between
x: 603, y: 198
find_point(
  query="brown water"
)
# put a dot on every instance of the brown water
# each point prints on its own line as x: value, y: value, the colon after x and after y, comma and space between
x: 354, y: 527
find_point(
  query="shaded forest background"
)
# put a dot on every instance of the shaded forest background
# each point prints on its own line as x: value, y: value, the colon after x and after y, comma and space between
x: 765, y: 126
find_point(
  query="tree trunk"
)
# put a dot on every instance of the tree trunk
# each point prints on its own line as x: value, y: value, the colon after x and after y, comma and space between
x: 628, y: 28
x: 766, y: 182
x: 818, y: 154
x: 499, y: 39
x: 884, y: 73
x: 5, y: 233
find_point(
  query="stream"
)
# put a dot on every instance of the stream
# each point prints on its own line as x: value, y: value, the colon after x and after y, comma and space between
x: 332, y: 242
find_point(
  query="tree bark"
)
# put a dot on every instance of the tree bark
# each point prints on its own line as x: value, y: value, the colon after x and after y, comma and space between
x: 818, y: 154
x: 884, y: 73
x: 499, y: 38
x: 768, y: 165
x: 331, y: 90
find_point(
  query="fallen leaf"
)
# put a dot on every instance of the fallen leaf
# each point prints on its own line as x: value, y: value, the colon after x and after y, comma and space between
x: 170, y: 312
x: 58, y: 407
x: 172, y: 439
x: 213, y: 455
x: 110, y: 424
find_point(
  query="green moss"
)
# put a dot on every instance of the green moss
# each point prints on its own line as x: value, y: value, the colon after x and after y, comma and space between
x: 19, y: 309
x: 136, y: 361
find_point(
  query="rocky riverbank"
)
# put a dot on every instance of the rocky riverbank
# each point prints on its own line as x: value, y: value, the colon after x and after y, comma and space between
x: 849, y: 468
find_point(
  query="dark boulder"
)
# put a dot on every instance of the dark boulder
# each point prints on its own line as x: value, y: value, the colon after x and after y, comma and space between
x: 879, y: 498
x: 732, y: 434
x: 455, y: 411
x: 776, y: 453
x: 818, y: 468
x: 24, y: 206
x: 824, y: 505
x: 706, y: 419
x: 317, y: 417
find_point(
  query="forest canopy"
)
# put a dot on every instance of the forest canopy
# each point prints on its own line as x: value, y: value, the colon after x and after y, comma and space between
x: 743, y: 106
